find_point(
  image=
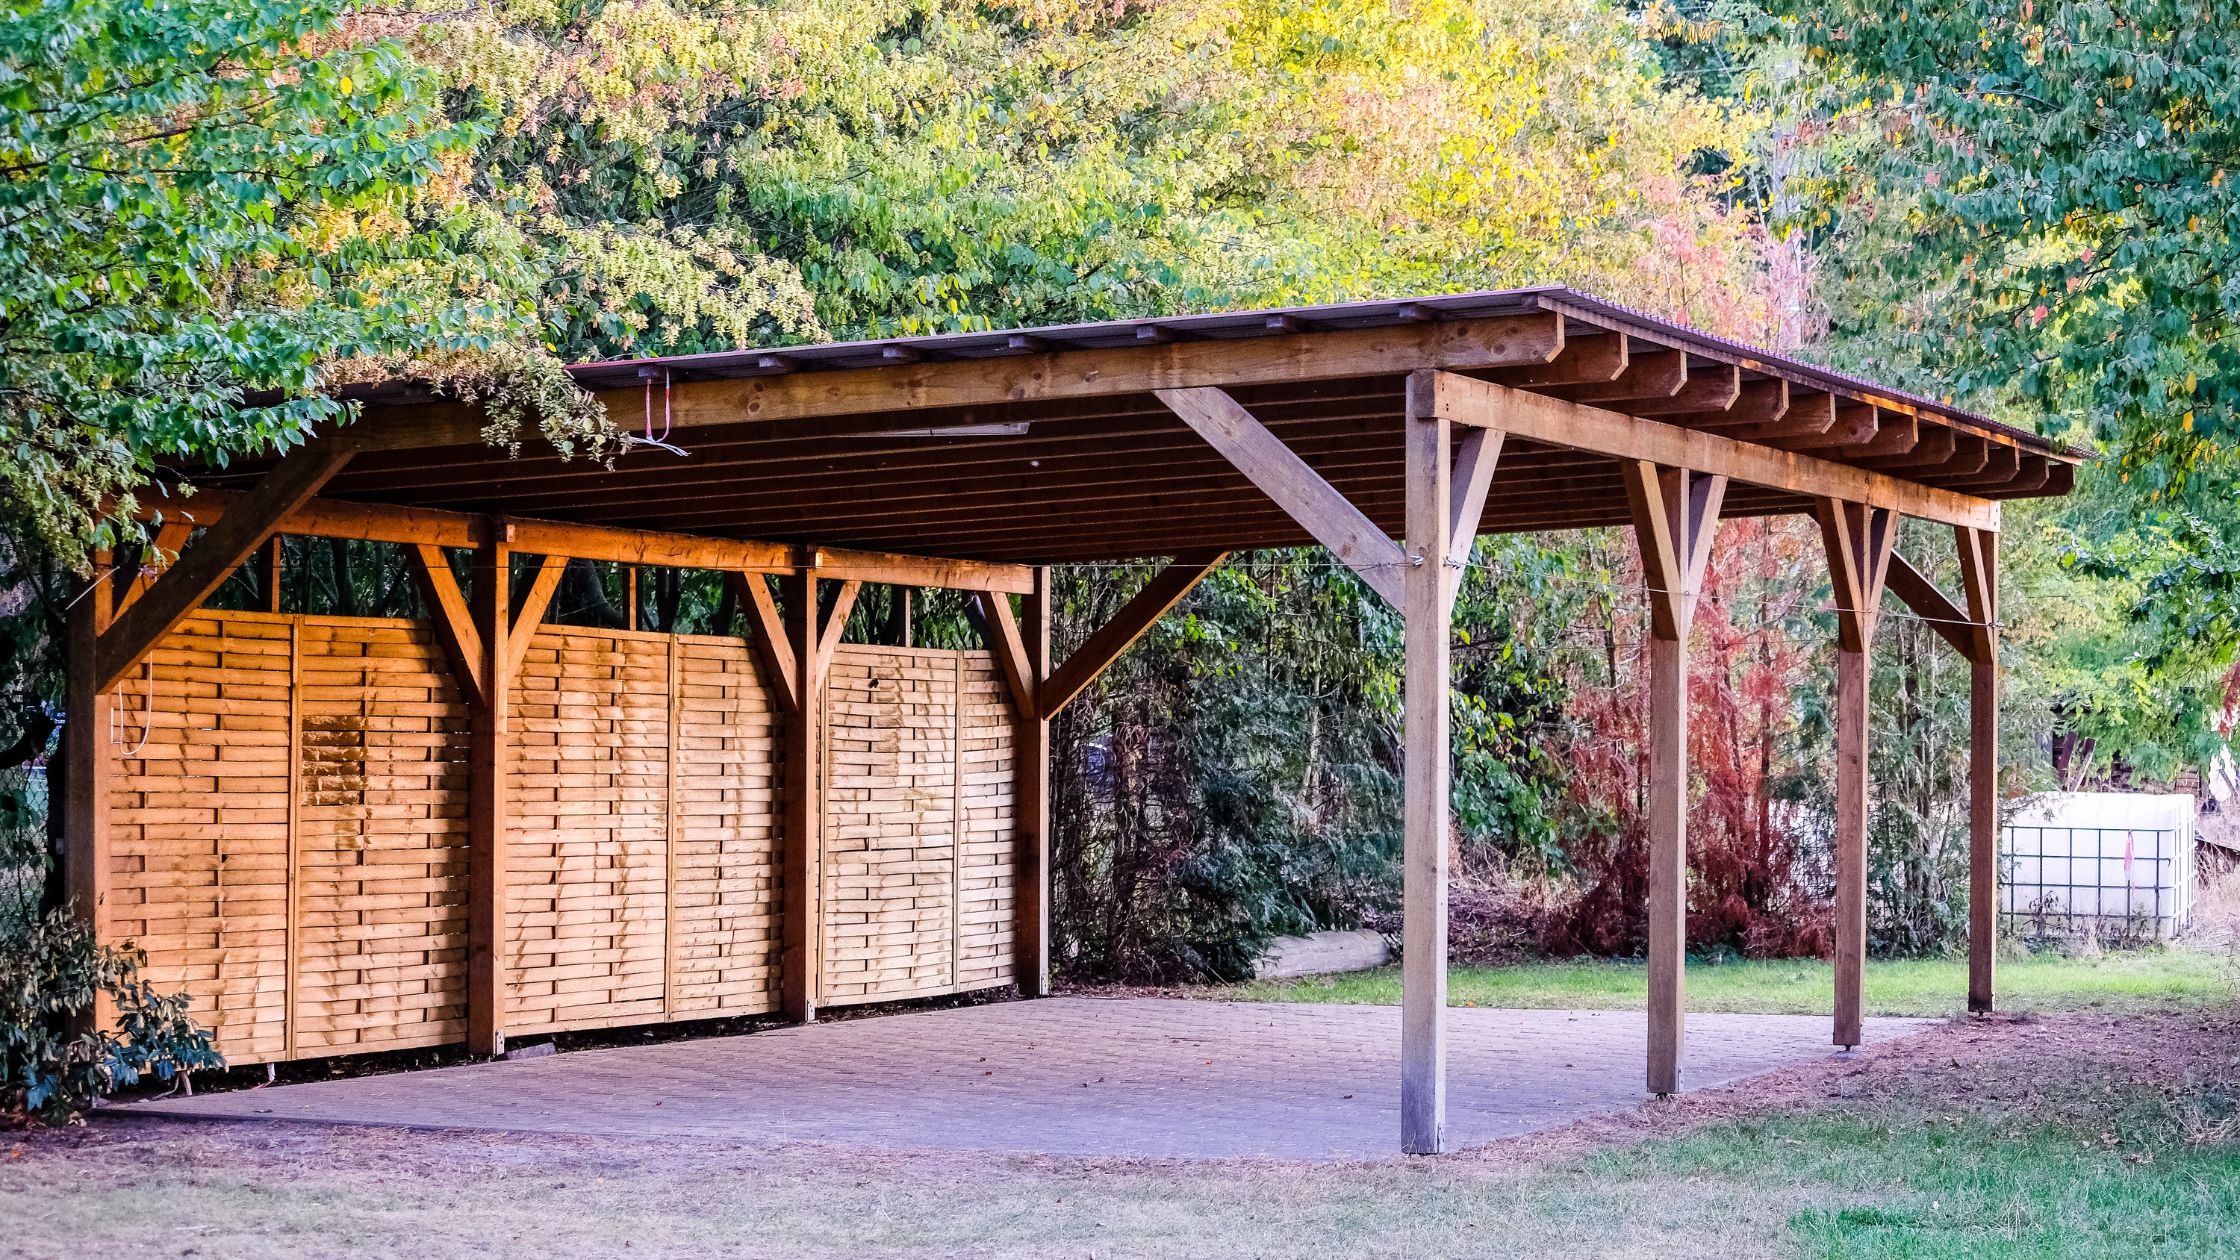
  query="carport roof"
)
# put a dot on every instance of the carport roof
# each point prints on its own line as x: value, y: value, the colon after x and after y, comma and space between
x: 1052, y: 444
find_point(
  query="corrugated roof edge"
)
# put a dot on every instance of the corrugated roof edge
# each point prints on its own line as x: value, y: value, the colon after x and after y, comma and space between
x: 1271, y: 321
x: 1574, y: 304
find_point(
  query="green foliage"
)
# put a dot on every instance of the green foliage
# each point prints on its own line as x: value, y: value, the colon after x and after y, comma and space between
x: 2056, y: 175
x: 51, y: 975
x: 204, y: 205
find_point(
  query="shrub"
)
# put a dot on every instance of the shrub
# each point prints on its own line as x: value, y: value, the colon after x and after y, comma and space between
x: 51, y: 1065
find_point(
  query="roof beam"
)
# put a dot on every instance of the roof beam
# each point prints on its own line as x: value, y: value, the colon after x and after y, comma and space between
x: 1294, y: 485
x: 414, y: 527
x: 1136, y: 617
x: 1477, y: 344
x: 204, y: 564
x: 1558, y: 423
x: 1914, y: 589
x: 1659, y: 374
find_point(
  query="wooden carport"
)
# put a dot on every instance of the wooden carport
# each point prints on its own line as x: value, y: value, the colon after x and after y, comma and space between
x: 1391, y: 433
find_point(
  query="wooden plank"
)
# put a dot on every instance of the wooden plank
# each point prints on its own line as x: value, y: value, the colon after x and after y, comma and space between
x: 1134, y: 619
x: 1858, y: 540
x: 1979, y: 569
x: 292, y: 951
x: 1477, y: 453
x: 836, y: 622
x: 271, y: 563
x: 800, y: 914
x: 1805, y: 416
x: 1295, y: 486
x: 207, y: 562
x: 1856, y: 424
x: 772, y: 649
x: 1586, y: 361
x: 1463, y: 345
x: 1555, y: 422
x: 1675, y: 513
x: 1656, y: 374
x: 957, y: 817
x: 1850, y: 943
x: 1031, y: 802
x: 1424, y: 784
x: 1712, y: 389
x: 449, y: 615
x: 1758, y: 404
x: 436, y: 527
x: 1008, y: 646
x: 1668, y: 863
x: 489, y: 799
x: 534, y: 602
x: 90, y: 767
x: 670, y: 839
x: 1660, y: 549
x: 1917, y: 592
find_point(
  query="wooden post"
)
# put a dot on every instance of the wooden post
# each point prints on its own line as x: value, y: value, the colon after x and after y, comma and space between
x: 89, y: 761
x: 490, y: 756
x: 1851, y: 844
x: 1030, y: 751
x: 1979, y: 570
x: 269, y: 563
x: 1668, y: 862
x: 801, y: 917
x: 1675, y: 513
x: 1425, y: 602
x: 1858, y: 541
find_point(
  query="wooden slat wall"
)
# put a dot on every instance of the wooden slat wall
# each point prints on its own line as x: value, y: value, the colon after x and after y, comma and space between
x: 724, y: 958
x: 381, y: 834
x: 915, y: 740
x: 199, y: 836
x: 289, y: 846
x: 985, y: 926
x: 890, y: 848
x: 587, y: 889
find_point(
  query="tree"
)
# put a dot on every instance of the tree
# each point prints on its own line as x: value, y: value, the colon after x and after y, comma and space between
x: 205, y: 206
x: 2033, y: 211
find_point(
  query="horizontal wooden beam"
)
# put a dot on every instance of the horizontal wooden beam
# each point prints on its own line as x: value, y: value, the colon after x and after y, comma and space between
x: 1505, y: 341
x: 1555, y: 422
x: 414, y: 527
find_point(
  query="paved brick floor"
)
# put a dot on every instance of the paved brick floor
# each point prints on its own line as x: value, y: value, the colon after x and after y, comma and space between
x: 1067, y: 1076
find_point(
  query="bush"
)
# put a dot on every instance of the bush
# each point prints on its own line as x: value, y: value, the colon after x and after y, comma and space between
x: 51, y: 975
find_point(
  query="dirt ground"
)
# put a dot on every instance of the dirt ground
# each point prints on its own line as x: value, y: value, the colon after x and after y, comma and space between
x: 129, y: 1186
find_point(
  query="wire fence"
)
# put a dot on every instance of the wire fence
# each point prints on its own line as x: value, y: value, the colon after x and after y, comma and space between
x: 2110, y: 883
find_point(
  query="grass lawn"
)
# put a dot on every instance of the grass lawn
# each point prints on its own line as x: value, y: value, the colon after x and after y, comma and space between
x: 2110, y: 1129
x: 2093, y: 1136
x: 2151, y: 979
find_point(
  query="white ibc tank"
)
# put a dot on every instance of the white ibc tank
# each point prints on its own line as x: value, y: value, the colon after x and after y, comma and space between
x: 2109, y: 863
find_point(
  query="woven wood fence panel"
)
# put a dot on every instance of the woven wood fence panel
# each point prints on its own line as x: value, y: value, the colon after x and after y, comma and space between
x: 909, y: 749
x: 587, y: 853
x: 381, y: 836
x: 725, y: 882
x: 198, y: 863
x: 288, y: 842
x: 984, y: 954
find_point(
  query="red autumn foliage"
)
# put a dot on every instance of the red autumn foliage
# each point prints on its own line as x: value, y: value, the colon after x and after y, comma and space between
x: 1748, y: 663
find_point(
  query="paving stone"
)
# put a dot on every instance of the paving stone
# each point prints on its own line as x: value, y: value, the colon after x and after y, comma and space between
x: 1066, y: 1076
